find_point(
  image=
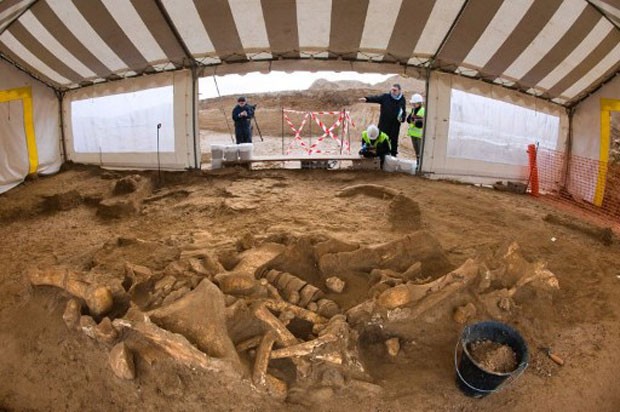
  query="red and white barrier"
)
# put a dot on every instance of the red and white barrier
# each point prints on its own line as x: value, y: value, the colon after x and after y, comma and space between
x: 344, y: 120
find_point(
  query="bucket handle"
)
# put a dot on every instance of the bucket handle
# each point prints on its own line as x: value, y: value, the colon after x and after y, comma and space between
x: 508, y: 381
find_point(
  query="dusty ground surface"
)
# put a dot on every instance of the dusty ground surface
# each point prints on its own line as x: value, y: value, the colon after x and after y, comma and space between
x: 45, y: 366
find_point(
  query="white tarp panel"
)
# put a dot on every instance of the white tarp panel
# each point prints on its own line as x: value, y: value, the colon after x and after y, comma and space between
x: 587, y: 122
x: 587, y: 136
x: 45, y: 124
x: 472, y: 148
x: 115, y: 124
x: 125, y: 122
x: 13, y: 151
x: 482, y: 128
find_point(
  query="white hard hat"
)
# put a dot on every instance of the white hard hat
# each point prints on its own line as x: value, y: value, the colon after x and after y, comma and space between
x: 417, y: 98
x: 373, y: 131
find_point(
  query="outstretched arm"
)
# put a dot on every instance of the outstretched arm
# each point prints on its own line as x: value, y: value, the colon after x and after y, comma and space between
x: 373, y: 99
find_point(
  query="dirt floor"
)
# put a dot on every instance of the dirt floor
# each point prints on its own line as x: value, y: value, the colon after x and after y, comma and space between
x: 46, y: 366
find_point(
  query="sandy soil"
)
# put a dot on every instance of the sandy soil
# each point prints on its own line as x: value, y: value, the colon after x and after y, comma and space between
x: 44, y: 366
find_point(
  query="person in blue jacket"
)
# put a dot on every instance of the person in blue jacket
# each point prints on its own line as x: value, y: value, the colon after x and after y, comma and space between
x: 242, y: 115
x: 393, y: 113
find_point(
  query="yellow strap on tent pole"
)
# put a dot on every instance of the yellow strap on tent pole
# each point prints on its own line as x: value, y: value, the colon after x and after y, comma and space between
x: 25, y: 94
x: 607, y: 105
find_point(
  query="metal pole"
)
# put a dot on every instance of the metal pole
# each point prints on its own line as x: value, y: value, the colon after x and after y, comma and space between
x: 158, y: 161
x: 195, y: 108
x: 258, y: 127
x: 217, y: 88
x: 425, y: 128
x: 349, y: 125
x: 59, y: 96
x: 568, y: 150
x: 310, y: 133
x: 282, y: 131
x: 344, y: 119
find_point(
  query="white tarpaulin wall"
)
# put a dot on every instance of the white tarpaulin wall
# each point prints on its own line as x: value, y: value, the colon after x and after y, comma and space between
x: 591, y: 140
x: 125, y: 123
x: 115, y: 124
x: 29, y: 128
x: 477, y: 132
x: 587, y: 122
x: 482, y: 128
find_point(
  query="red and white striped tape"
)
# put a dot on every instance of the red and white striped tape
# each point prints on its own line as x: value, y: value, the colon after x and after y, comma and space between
x: 344, y: 118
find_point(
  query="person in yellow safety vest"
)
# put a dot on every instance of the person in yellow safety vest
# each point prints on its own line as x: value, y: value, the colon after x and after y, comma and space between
x: 416, y: 123
x: 375, y: 143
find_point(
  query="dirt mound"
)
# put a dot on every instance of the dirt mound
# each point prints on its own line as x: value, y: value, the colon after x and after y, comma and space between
x: 324, y: 85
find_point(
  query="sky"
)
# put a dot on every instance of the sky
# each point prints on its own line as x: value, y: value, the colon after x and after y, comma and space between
x: 276, y: 81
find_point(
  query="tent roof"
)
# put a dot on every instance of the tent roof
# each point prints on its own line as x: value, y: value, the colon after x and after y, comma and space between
x: 559, y: 50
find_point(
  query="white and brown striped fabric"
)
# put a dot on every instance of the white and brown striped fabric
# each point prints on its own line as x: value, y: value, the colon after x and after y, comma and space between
x: 556, y: 49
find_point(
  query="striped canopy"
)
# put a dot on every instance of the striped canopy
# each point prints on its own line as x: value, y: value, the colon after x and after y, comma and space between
x: 560, y: 50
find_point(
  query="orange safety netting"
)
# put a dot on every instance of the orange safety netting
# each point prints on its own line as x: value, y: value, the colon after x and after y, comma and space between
x: 576, y: 180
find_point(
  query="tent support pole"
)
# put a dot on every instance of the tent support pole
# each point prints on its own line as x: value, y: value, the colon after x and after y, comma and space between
x: 196, y: 141
x: 569, y: 148
x: 63, y: 144
x: 427, y: 82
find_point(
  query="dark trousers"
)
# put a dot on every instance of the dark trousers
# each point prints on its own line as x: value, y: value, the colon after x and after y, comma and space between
x: 243, y: 133
x: 416, y: 146
x: 392, y: 131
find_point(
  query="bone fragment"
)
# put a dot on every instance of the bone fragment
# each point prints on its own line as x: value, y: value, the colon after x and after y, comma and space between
x: 263, y: 354
x: 335, y: 284
x: 303, y: 349
x: 409, y: 294
x: 98, y: 298
x: 283, y: 335
x: 327, y: 308
x: 105, y: 332
x: 72, y: 314
x: 301, y: 313
x: 249, y: 343
x: 121, y: 361
x: 393, y: 346
x: 273, y: 292
x: 176, y: 346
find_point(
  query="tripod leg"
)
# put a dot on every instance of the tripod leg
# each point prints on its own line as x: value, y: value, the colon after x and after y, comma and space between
x: 258, y: 128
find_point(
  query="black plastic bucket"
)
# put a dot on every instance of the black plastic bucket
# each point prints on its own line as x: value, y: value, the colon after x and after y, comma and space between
x: 473, y: 379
